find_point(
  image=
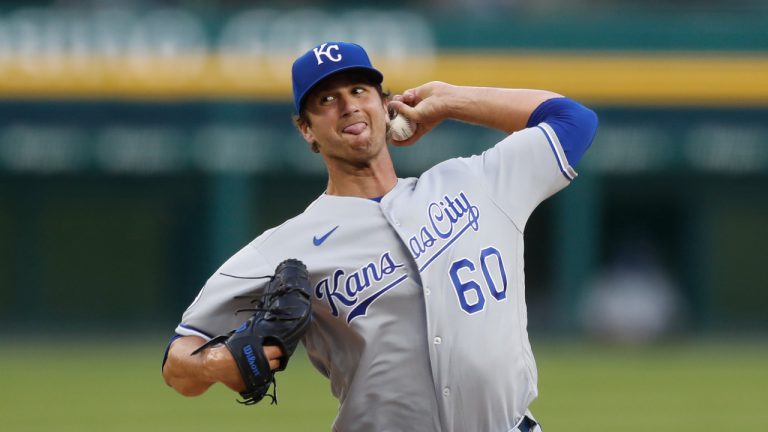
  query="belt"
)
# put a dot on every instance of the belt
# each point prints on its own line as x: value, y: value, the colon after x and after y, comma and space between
x: 526, y: 424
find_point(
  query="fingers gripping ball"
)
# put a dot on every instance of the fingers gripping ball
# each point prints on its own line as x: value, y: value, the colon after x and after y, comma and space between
x: 401, y: 127
x: 281, y: 317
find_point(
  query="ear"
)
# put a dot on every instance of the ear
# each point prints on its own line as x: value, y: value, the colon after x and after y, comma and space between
x: 385, y: 105
x: 306, y: 132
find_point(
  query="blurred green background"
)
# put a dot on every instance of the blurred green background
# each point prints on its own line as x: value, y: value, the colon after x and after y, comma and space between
x: 142, y: 143
x: 73, y: 386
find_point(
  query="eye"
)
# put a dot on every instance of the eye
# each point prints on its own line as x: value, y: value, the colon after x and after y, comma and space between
x: 358, y: 90
x: 325, y: 100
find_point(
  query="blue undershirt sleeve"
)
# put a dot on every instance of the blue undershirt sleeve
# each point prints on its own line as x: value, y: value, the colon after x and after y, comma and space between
x: 574, y: 124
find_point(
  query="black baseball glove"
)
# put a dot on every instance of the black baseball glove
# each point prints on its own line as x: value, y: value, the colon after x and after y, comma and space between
x: 281, y: 317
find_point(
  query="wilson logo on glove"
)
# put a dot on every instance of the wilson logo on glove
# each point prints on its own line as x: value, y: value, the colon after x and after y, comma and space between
x: 248, y: 350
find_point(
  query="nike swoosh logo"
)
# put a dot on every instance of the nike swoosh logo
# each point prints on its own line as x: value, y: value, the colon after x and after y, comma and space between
x: 319, y: 241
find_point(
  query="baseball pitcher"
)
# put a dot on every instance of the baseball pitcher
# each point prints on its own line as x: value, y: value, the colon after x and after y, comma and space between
x: 408, y: 293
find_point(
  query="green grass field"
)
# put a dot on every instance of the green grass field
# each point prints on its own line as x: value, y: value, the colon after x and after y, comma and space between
x: 78, y: 386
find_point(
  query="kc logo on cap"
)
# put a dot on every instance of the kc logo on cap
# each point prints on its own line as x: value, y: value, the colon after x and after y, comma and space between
x: 323, y: 51
x: 327, y: 59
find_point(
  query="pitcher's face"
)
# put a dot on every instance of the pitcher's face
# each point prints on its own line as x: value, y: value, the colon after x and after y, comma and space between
x: 347, y: 118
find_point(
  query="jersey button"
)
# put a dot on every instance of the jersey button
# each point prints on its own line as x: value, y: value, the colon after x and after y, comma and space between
x: 427, y: 291
x: 446, y: 392
x: 438, y: 341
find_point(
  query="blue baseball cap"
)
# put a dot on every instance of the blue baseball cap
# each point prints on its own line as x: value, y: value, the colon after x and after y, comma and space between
x: 325, y: 60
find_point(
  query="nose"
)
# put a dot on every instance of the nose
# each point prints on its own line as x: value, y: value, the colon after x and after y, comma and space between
x: 349, y: 104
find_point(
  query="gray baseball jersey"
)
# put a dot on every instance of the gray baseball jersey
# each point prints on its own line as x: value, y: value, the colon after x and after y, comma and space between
x: 419, y: 314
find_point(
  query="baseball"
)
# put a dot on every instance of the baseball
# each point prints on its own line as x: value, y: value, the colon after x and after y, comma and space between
x: 401, y: 127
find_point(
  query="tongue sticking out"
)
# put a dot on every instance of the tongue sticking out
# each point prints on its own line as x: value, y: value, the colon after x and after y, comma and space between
x: 355, y: 129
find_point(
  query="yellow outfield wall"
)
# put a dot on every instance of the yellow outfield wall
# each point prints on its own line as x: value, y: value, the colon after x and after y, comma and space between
x: 609, y: 78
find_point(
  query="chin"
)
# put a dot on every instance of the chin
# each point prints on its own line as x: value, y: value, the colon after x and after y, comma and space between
x: 362, y: 142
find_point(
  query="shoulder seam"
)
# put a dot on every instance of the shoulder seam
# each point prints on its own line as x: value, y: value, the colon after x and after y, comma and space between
x: 485, y: 186
x: 256, y: 246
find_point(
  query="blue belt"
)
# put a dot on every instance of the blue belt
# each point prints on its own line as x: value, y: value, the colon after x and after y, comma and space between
x: 526, y: 424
